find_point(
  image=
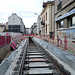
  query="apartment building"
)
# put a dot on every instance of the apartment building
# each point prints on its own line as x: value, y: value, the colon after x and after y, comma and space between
x: 39, y: 25
x: 65, y: 18
x: 15, y: 24
x: 34, y: 28
x: 47, y: 16
x: 28, y: 30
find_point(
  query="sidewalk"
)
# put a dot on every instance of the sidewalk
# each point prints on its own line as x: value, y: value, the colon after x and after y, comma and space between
x: 70, y: 44
x: 70, y: 47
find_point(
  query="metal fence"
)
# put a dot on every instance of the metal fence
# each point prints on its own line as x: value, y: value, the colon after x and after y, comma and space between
x: 4, y: 40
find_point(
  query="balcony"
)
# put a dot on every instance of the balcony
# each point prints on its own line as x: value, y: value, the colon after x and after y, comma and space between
x: 42, y: 22
x: 59, y: 6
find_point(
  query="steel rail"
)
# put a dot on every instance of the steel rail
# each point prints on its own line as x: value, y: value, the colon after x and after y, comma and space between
x: 56, y: 64
x: 51, y: 59
x: 23, y: 59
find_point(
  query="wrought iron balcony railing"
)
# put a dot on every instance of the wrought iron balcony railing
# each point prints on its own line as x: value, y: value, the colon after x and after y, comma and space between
x: 42, y: 22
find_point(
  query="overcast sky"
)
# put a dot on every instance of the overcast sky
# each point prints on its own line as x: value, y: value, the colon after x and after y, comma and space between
x: 23, y: 8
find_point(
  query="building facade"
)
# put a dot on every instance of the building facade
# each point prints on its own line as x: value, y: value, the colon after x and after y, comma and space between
x: 65, y: 18
x: 6, y: 25
x: 2, y: 28
x: 47, y: 16
x: 15, y: 24
x: 34, y: 28
x: 39, y: 25
x: 28, y: 30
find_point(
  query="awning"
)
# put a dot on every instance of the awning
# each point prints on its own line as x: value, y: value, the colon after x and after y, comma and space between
x: 66, y: 15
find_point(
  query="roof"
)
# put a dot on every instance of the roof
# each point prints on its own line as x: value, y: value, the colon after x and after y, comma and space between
x: 48, y: 3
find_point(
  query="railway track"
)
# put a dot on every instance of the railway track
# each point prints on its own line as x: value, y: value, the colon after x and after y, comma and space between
x: 36, y: 61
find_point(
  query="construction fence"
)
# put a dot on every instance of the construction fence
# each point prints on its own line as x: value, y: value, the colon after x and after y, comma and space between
x: 65, y: 42
x: 4, y: 40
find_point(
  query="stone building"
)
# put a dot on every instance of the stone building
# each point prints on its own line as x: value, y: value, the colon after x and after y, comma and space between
x: 65, y: 18
x: 47, y: 16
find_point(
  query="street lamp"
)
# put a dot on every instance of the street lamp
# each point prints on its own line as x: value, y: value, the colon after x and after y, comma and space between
x: 36, y: 14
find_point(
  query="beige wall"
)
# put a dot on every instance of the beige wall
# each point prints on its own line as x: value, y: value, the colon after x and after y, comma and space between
x: 7, y: 26
x: 64, y: 2
x: 50, y: 19
x: 53, y: 19
x: 56, y: 3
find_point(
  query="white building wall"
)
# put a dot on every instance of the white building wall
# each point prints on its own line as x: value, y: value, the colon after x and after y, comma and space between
x: 16, y: 20
x: 13, y: 20
x: 22, y: 26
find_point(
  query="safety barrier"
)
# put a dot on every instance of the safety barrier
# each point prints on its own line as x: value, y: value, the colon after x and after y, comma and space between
x: 60, y: 42
x: 18, y: 38
x: 4, y: 40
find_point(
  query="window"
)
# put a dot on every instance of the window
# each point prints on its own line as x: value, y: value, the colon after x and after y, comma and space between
x: 59, y: 1
x: 46, y: 29
x: 61, y: 24
x: 13, y: 21
x: 72, y: 21
x: 46, y: 16
x: 13, y: 18
x: 59, y: 6
x: 42, y: 29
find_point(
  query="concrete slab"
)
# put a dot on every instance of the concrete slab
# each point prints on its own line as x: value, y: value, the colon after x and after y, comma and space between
x: 34, y: 53
x: 38, y: 64
x: 34, y: 56
x: 34, y: 50
x: 40, y: 71
x: 37, y: 60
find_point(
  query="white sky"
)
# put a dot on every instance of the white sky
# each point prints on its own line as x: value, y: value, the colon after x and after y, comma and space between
x: 23, y: 8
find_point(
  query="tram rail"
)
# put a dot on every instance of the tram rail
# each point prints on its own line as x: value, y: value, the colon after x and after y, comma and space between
x: 37, y: 61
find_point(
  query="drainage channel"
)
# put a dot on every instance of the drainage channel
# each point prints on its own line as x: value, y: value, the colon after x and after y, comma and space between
x: 36, y: 62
